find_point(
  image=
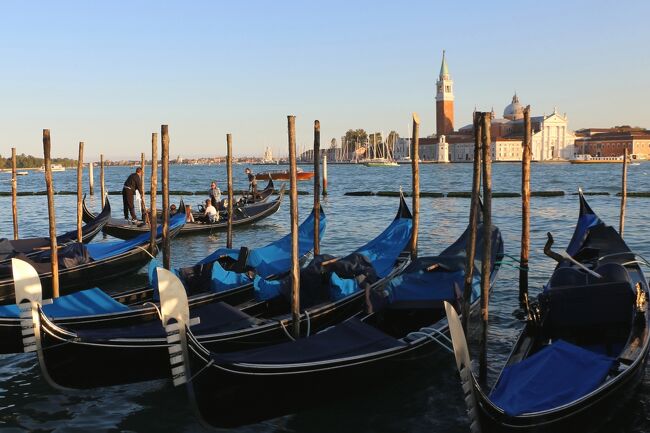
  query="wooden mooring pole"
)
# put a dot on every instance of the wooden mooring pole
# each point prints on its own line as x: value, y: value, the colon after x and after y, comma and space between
x: 293, y: 196
x: 473, y: 220
x: 487, y: 240
x: 153, y: 219
x: 415, y: 177
x: 324, y: 175
x: 231, y: 195
x: 50, y: 211
x: 526, y: 156
x: 91, y: 179
x: 101, y: 179
x: 316, y: 187
x: 80, y: 171
x: 164, y: 132
x: 14, y: 192
x: 623, y: 193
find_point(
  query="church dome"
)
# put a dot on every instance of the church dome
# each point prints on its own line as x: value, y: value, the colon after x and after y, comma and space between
x: 514, y: 111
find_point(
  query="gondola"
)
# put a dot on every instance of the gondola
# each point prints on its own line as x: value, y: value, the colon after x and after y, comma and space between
x: 243, y: 215
x: 28, y: 247
x: 82, y: 266
x: 583, y: 348
x: 219, y: 277
x: 72, y: 359
x: 403, y: 325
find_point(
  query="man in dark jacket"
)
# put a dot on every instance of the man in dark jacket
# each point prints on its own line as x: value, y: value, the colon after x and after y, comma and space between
x: 133, y: 183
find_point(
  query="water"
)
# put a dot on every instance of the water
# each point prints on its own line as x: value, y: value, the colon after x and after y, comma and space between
x: 429, y: 399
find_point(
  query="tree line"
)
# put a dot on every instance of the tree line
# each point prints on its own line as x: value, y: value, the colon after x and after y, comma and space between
x: 29, y: 161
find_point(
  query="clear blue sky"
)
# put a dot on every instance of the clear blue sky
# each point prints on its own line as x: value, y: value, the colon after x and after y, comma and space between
x: 109, y: 73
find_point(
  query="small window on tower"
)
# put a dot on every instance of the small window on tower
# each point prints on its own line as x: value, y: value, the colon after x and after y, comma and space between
x: 448, y: 89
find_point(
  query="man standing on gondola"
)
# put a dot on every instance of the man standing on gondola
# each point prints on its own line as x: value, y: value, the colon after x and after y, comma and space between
x: 252, y: 183
x: 133, y: 183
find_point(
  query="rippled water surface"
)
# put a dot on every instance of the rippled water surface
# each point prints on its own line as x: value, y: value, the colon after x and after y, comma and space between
x: 426, y: 400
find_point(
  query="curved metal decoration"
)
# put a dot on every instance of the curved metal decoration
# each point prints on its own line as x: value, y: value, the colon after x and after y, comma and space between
x: 29, y: 294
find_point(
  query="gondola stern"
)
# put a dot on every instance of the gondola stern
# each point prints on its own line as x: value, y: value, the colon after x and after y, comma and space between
x: 464, y: 365
x: 403, y: 211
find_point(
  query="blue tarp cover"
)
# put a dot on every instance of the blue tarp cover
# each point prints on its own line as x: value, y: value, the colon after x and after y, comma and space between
x: 348, y: 338
x: 384, y: 250
x: 429, y: 286
x: 83, y: 303
x: 223, y: 280
x: 556, y: 375
x: 342, y: 287
x: 585, y: 222
x: 266, y: 289
x: 104, y: 250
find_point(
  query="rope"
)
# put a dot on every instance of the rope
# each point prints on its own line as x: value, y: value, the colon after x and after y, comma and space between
x: 284, y: 328
x: 308, y: 323
x: 146, y: 251
x: 156, y: 307
x: 201, y: 370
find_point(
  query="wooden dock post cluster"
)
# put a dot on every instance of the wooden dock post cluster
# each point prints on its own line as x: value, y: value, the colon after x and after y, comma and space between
x: 80, y: 170
x: 231, y: 195
x: 164, y: 133
x: 293, y: 196
x: 473, y: 220
x: 526, y: 156
x: 486, y: 264
x: 153, y: 217
x: 47, y: 147
x: 14, y: 192
x: 415, y: 175
x: 317, y: 187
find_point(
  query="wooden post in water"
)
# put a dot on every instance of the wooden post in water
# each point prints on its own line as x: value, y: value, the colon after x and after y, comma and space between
x: 50, y: 211
x: 14, y: 192
x: 164, y: 132
x: 415, y: 174
x: 80, y: 170
x: 293, y: 196
x: 101, y: 179
x: 487, y: 240
x: 526, y: 156
x: 623, y: 193
x: 153, y: 220
x: 473, y: 220
x: 316, y: 187
x: 143, y: 204
x: 231, y: 193
x: 91, y: 179
x: 324, y: 175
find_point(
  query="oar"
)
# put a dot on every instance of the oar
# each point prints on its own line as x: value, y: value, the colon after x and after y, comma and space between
x: 464, y: 364
x: 563, y: 255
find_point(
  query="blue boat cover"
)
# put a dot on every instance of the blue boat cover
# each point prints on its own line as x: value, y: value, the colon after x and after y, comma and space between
x: 429, y: 286
x: 384, y: 250
x: 223, y: 280
x: 84, y: 303
x: 342, y: 287
x: 275, y: 258
x: 266, y: 289
x: 348, y: 338
x: 556, y: 375
x: 586, y: 220
x: 105, y: 250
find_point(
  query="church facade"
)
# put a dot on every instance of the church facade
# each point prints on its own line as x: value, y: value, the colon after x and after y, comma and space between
x: 551, y: 139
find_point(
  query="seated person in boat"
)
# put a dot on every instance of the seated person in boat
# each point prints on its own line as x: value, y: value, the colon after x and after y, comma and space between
x: 172, y: 210
x: 210, y: 215
x: 214, y: 194
x: 189, y: 218
x: 252, y: 183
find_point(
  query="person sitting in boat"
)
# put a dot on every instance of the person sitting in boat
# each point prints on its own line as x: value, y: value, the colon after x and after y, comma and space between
x: 214, y: 194
x: 172, y: 210
x: 252, y: 183
x: 210, y: 215
x: 133, y: 183
x: 189, y: 218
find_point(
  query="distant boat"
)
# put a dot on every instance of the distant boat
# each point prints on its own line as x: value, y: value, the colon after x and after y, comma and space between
x: 588, y: 159
x: 380, y: 162
x: 55, y: 167
x: 284, y: 175
x: 22, y: 173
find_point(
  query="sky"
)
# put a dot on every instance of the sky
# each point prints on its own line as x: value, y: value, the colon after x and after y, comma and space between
x: 110, y: 73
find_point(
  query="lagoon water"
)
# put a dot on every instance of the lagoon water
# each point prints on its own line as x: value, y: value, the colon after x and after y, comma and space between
x: 427, y: 400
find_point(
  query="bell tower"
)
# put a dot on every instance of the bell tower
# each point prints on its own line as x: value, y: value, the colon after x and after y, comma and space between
x: 444, y: 101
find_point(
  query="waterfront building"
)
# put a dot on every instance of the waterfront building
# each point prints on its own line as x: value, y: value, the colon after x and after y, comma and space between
x: 442, y: 150
x: 613, y: 141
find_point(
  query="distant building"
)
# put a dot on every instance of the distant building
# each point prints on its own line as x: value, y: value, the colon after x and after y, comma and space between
x: 613, y: 141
